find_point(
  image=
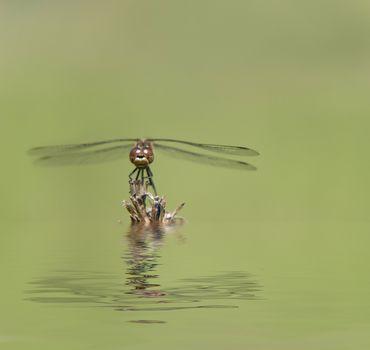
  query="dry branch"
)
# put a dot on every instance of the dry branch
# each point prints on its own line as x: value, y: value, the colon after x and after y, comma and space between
x: 143, y: 207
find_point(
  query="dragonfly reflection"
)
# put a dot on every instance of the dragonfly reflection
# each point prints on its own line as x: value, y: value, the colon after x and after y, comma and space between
x: 141, y: 154
x: 144, y: 243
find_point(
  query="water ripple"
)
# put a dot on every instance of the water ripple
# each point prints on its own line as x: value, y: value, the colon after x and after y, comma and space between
x: 141, y: 290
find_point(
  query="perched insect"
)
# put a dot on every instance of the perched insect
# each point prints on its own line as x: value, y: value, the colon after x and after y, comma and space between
x: 141, y: 154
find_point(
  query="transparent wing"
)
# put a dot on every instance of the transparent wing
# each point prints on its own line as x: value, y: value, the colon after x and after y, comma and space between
x: 50, y: 150
x: 87, y: 157
x: 205, y: 159
x: 233, y: 150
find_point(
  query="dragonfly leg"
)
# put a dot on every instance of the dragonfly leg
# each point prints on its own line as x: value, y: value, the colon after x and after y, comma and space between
x: 142, y: 177
x: 132, y: 173
x: 138, y: 174
x: 150, y: 179
x: 142, y: 180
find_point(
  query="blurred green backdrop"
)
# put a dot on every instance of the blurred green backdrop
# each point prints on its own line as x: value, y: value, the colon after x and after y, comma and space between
x: 288, y: 78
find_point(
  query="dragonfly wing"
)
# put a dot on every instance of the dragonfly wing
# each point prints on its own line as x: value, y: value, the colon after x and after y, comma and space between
x: 59, y: 149
x: 205, y: 159
x: 226, y: 149
x: 87, y: 157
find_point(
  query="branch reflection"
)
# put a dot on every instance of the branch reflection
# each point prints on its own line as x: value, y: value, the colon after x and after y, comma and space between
x: 141, y: 290
x: 144, y: 242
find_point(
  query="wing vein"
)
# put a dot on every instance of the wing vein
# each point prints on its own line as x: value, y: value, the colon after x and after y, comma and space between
x: 226, y: 149
x: 204, y: 158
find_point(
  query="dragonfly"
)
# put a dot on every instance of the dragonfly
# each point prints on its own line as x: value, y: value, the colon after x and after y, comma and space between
x: 141, y: 154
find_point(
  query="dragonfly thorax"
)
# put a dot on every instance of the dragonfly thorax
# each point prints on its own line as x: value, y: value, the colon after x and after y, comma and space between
x: 141, y: 155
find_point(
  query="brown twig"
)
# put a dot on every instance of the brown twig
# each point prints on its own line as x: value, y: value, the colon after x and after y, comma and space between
x: 143, y: 207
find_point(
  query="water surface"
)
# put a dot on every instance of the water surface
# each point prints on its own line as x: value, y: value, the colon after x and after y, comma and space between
x: 274, y: 259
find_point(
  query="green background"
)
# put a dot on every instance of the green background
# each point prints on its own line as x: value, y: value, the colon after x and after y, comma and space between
x: 288, y: 78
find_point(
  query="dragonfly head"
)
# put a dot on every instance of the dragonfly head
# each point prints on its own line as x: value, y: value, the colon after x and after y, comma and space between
x: 142, y: 154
